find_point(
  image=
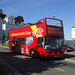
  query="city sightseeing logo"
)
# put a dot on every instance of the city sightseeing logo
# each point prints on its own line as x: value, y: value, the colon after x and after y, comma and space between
x: 39, y: 31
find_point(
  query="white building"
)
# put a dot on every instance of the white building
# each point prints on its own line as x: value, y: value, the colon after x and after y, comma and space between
x: 8, y: 23
x: 73, y: 33
x: 1, y: 12
x: 9, y: 19
x: 0, y: 28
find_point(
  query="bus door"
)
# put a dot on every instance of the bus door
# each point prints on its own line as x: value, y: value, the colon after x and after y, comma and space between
x: 23, y: 45
x: 40, y: 45
x: 18, y: 45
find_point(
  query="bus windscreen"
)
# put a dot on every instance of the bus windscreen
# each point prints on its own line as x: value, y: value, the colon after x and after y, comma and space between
x: 53, y: 22
x: 54, y: 42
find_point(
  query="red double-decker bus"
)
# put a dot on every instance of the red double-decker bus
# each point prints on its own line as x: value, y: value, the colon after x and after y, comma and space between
x: 45, y: 39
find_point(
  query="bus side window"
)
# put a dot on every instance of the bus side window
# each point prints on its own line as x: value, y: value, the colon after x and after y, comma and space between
x: 40, y: 21
x: 23, y: 41
x: 18, y: 41
x: 40, y: 42
x: 14, y: 40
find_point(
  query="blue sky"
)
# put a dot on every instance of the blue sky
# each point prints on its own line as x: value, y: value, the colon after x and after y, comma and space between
x: 33, y: 10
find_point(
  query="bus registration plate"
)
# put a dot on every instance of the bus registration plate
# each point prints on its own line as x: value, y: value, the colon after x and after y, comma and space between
x: 56, y: 56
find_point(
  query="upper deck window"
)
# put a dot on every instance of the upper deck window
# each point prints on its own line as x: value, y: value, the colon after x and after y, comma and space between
x: 40, y: 22
x: 53, y: 22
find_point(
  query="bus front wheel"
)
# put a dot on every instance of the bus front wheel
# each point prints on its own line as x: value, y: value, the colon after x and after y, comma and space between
x: 32, y: 53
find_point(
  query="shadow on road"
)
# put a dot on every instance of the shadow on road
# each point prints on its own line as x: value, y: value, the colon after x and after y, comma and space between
x: 69, y: 56
x: 26, y: 65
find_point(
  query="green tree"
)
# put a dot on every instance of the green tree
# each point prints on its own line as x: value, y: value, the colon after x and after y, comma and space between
x: 39, y: 22
x: 31, y: 24
x: 7, y: 36
x: 19, y: 19
x: 2, y: 16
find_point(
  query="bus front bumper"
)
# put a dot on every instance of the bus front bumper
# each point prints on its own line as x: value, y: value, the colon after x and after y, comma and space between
x: 53, y: 55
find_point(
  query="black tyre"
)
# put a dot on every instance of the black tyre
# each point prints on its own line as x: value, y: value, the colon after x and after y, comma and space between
x: 32, y: 53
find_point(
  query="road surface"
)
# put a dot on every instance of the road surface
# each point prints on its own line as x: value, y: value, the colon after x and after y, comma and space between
x: 16, y: 64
